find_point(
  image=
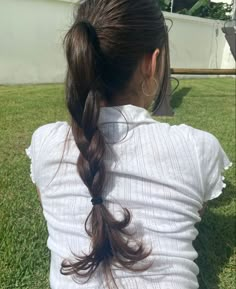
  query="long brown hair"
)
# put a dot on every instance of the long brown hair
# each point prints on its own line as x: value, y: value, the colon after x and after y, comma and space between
x: 103, y: 48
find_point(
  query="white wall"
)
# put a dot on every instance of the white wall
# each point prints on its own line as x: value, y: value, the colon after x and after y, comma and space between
x: 31, y: 33
x: 198, y: 43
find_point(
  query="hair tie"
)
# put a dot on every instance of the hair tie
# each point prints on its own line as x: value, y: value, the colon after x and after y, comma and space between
x: 90, y: 29
x: 97, y: 201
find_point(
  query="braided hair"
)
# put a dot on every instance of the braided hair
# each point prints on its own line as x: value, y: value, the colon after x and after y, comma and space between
x: 103, y: 48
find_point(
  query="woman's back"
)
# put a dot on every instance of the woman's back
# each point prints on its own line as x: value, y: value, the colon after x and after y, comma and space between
x: 163, y: 174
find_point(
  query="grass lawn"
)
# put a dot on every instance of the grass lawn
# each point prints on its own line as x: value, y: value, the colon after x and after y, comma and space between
x: 207, y: 104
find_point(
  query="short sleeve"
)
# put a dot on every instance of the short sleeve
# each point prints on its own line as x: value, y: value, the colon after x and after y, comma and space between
x: 36, y: 152
x: 212, y: 161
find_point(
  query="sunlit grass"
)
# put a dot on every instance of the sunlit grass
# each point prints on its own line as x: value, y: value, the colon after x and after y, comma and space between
x: 207, y: 104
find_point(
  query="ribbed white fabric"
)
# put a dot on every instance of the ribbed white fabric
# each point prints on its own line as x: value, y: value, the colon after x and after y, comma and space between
x: 161, y: 173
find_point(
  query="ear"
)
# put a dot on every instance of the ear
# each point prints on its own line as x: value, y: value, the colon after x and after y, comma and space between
x: 149, y: 63
x: 154, y: 62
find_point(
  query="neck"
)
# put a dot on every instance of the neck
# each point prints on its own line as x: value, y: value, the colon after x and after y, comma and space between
x: 118, y: 101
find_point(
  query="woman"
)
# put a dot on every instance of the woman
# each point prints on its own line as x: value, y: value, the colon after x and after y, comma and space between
x: 116, y: 156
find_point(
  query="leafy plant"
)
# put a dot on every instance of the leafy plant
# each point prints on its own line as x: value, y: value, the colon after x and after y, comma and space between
x: 200, y: 8
x: 165, y: 5
x: 207, y: 9
x: 219, y: 11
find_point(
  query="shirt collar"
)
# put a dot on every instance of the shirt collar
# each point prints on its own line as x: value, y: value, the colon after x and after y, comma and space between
x: 121, y: 114
x: 117, y: 122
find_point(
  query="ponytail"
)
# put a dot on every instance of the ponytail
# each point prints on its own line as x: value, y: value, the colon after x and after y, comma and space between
x: 110, y: 238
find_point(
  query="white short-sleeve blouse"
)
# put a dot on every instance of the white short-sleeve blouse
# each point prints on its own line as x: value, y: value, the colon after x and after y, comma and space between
x: 163, y: 174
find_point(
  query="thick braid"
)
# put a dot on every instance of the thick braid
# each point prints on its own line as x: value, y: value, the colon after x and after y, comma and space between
x: 91, y: 144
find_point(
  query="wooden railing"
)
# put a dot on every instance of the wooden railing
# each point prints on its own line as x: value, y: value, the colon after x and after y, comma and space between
x: 203, y: 71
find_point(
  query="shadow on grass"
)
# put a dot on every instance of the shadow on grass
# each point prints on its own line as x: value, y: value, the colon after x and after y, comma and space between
x: 226, y: 197
x: 177, y: 97
x: 215, y: 246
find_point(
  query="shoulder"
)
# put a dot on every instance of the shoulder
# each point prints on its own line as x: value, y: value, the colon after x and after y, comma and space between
x: 206, y: 144
x: 210, y: 157
x: 45, y: 142
x: 202, y: 143
x: 57, y: 129
x: 47, y: 136
x: 195, y: 135
x: 47, y: 139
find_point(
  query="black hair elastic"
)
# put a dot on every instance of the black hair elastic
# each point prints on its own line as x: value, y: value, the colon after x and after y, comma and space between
x: 97, y: 201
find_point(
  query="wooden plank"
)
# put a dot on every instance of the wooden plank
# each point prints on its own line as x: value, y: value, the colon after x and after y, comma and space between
x: 198, y: 71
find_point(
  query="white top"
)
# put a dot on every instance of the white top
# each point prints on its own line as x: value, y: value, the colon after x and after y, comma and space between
x: 163, y: 174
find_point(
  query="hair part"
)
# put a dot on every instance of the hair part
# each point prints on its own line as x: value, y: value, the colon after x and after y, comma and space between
x: 103, y: 48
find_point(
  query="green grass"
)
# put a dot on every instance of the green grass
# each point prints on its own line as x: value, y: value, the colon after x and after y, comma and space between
x: 207, y: 104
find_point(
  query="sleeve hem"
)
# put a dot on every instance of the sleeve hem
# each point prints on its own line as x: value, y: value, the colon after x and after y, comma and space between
x: 228, y: 166
x: 221, y: 184
x: 28, y: 153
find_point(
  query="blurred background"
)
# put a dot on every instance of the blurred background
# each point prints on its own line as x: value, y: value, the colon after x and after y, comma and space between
x: 31, y: 33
